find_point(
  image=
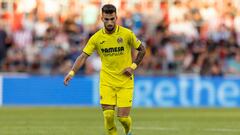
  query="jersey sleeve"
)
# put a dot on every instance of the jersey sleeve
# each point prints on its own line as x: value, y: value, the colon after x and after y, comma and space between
x: 90, y: 47
x: 134, y: 41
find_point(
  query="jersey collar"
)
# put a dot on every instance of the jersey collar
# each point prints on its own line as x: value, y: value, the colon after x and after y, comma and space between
x: 116, y: 30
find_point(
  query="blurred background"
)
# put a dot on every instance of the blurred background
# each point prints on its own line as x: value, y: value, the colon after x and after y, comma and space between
x: 187, y: 36
x: 193, y: 38
x: 188, y: 83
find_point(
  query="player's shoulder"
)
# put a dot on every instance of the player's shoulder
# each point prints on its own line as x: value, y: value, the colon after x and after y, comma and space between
x: 124, y: 29
x: 97, y: 34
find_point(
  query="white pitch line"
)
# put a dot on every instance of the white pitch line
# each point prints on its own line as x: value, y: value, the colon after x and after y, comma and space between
x: 156, y: 128
x: 222, y: 130
x: 178, y: 129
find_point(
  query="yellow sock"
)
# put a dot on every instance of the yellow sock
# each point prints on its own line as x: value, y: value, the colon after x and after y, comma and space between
x: 109, y: 122
x: 126, y: 122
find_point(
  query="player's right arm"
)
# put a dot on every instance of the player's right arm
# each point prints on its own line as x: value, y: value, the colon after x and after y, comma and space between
x: 87, y: 51
x: 81, y: 59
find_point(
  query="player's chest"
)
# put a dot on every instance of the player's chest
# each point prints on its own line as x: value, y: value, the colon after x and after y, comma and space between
x: 112, y: 41
x: 111, y: 46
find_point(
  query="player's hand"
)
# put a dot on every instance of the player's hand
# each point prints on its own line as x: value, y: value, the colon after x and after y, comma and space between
x: 128, y: 71
x: 67, y: 78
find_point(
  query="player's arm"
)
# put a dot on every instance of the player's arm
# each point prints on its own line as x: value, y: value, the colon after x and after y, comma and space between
x: 77, y: 65
x: 141, y: 52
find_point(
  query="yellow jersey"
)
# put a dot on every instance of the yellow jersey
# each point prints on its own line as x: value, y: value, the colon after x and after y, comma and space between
x: 115, y: 52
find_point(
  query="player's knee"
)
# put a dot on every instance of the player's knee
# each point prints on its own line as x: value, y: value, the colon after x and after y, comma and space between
x: 123, y: 119
x: 108, y: 114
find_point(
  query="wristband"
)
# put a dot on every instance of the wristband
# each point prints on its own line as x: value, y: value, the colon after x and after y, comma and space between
x: 71, y: 73
x: 133, y: 66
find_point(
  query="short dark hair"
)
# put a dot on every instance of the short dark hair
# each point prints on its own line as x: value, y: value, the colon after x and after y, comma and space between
x: 108, y: 9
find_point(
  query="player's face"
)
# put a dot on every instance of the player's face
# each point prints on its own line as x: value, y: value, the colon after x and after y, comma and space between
x: 109, y: 21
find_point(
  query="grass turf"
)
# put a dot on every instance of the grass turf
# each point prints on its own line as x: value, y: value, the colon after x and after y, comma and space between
x: 89, y: 121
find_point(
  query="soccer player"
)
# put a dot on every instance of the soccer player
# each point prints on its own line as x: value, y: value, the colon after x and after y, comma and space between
x: 114, y: 44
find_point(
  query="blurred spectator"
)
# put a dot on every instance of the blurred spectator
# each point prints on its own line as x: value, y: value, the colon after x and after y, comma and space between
x: 234, y: 64
x: 15, y: 60
x: 22, y: 38
x: 40, y: 28
x: 3, y: 43
x: 47, y: 52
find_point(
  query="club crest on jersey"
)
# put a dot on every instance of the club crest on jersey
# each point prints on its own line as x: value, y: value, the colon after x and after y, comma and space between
x: 119, y: 40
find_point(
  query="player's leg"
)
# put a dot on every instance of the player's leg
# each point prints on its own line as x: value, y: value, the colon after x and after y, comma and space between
x: 125, y: 119
x: 108, y: 113
x: 124, y: 103
x: 108, y: 102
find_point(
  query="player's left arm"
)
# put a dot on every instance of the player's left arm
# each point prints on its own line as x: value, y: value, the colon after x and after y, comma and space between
x: 141, y: 52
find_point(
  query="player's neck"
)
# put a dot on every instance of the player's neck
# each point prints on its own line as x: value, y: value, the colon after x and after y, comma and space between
x: 110, y: 32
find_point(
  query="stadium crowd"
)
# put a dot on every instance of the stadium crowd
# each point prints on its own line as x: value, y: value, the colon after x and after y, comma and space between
x: 181, y: 36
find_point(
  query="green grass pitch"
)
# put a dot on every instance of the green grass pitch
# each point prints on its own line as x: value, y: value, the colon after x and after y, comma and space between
x: 89, y: 121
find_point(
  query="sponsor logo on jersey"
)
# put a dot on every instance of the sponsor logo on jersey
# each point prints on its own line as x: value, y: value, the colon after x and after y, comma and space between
x: 112, y: 51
